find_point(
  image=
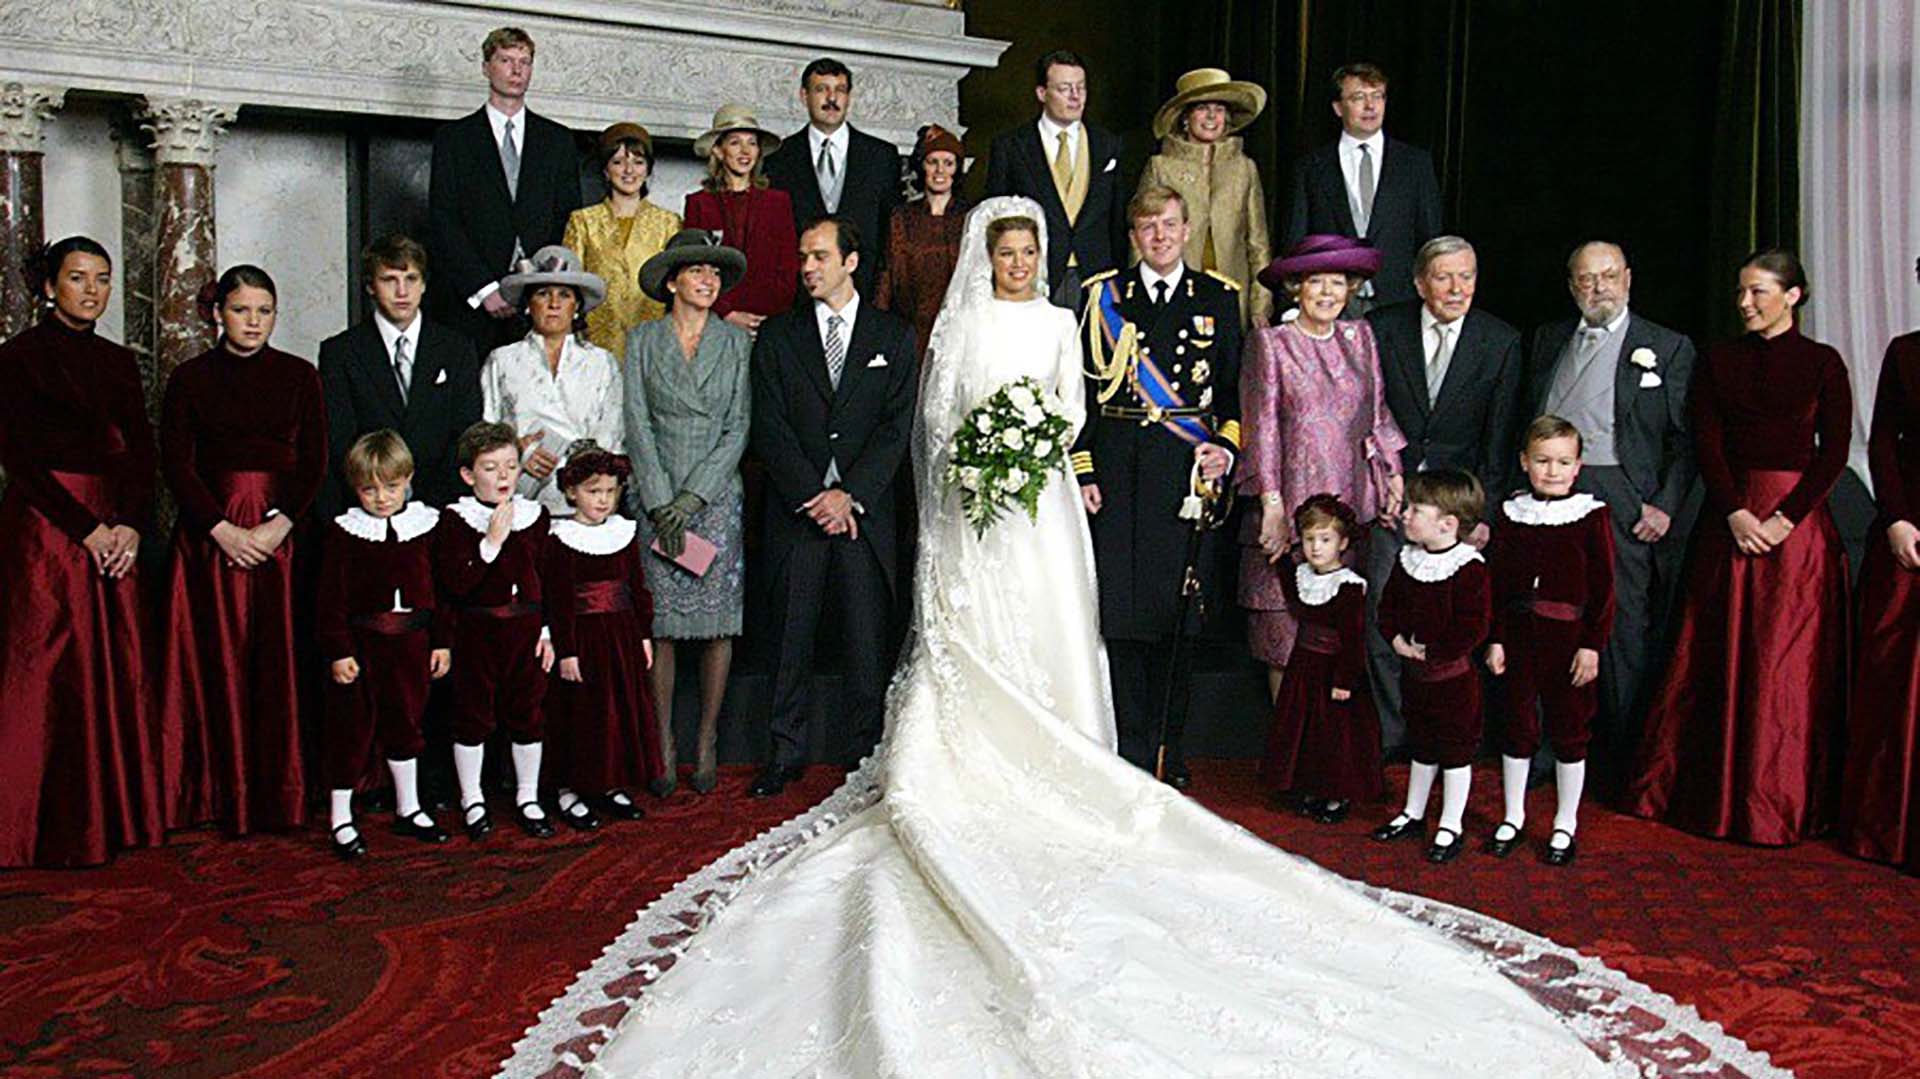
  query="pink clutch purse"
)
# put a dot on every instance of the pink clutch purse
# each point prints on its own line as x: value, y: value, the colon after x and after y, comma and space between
x: 695, y: 557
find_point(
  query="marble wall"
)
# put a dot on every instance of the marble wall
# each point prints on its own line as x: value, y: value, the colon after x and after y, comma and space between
x: 280, y: 202
x: 83, y: 191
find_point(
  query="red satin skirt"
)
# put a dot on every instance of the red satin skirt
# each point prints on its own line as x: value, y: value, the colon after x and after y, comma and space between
x: 1740, y: 741
x: 1319, y: 746
x: 1880, y: 807
x: 79, y: 775
x: 230, y: 716
x: 600, y: 728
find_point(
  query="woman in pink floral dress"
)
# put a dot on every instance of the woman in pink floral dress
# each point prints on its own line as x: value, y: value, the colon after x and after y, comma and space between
x: 1314, y: 421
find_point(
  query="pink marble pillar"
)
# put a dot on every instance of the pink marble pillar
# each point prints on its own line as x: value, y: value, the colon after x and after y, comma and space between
x: 24, y: 111
x: 184, y: 132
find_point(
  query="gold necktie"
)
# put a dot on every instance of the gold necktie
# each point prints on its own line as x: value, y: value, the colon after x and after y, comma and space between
x: 1063, y: 165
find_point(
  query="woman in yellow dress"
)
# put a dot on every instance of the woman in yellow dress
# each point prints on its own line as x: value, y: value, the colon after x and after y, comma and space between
x: 616, y: 236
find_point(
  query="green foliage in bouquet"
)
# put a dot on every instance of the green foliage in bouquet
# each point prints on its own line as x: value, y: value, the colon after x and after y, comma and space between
x: 1006, y: 450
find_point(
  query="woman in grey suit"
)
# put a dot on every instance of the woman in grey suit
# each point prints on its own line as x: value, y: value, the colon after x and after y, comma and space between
x: 687, y: 394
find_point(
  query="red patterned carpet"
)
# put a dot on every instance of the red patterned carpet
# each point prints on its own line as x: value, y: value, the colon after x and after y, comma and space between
x: 268, y: 958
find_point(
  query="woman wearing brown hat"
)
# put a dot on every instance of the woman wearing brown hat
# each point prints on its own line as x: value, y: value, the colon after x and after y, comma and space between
x: 923, y: 236
x: 737, y: 206
x: 618, y: 234
x: 1201, y: 157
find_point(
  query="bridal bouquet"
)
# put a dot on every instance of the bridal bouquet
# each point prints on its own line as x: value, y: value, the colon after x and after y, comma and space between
x: 1006, y: 450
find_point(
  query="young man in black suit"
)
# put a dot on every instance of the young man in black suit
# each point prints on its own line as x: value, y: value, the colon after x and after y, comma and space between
x: 504, y: 181
x: 1072, y: 169
x: 398, y: 370
x: 831, y: 167
x: 1368, y: 186
x: 834, y: 381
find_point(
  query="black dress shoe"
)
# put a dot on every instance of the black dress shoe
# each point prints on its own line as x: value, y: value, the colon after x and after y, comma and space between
x: 1400, y: 827
x: 538, y: 827
x: 774, y: 779
x: 478, y: 827
x: 704, y: 782
x: 581, y: 818
x: 620, y: 806
x: 1438, y: 852
x: 420, y: 826
x: 1561, y: 855
x: 1501, y: 847
x: 1178, y: 777
x: 349, y: 849
x: 1330, y: 811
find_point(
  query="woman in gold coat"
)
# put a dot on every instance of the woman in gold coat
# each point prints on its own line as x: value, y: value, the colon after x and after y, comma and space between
x: 1201, y: 158
x: 616, y: 236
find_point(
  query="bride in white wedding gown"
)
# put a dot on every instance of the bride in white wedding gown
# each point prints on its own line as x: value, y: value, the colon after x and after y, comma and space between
x: 1017, y: 900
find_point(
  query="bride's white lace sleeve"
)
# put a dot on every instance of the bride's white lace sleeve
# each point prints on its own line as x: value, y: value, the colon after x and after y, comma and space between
x: 1069, y: 385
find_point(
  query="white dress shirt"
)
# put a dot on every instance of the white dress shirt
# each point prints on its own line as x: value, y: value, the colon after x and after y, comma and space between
x: 1050, y: 139
x: 389, y: 333
x: 1151, y: 279
x: 582, y: 400
x: 1376, y: 144
x: 1441, y: 336
x: 821, y: 313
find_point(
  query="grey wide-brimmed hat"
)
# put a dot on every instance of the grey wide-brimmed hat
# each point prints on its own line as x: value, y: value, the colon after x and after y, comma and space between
x: 729, y: 118
x: 691, y: 247
x: 553, y: 265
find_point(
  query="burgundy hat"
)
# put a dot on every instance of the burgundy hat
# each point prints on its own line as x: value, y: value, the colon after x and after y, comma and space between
x: 1322, y: 253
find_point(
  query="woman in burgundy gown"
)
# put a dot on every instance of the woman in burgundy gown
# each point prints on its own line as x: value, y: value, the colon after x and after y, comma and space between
x: 923, y: 236
x: 1880, y: 804
x: 1740, y: 740
x: 243, y: 444
x: 79, y: 777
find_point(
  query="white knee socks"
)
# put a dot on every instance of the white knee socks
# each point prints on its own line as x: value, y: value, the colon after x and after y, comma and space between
x: 466, y: 765
x: 1454, y: 784
x: 526, y: 779
x: 1570, y: 779
x: 1419, y: 787
x: 1513, y: 785
x: 406, y: 787
x: 342, y: 809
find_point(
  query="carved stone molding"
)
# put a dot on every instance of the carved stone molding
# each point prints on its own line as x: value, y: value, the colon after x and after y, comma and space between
x: 24, y: 112
x: 185, y: 129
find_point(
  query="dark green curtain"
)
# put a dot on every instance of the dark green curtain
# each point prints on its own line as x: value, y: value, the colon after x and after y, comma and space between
x: 1756, y: 160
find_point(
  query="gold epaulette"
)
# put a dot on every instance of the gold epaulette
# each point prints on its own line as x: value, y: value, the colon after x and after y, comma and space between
x: 1082, y: 462
x: 1223, y: 279
x: 1230, y: 433
x: 1096, y: 278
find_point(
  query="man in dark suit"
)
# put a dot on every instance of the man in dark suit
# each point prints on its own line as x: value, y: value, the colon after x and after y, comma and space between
x: 1135, y: 457
x: 504, y: 181
x: 1072, y: 169
x: 833, y: 392
x: 1368, y: 186
x: 1453, y: 377
x: 402, y: 371
x: 831, y: 167
x: 1623, y: 381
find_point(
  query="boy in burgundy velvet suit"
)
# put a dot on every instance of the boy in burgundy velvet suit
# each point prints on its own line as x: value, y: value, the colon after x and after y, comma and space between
x: 1436, y: 610
x: 1552, y: 559
x: 378, y: 628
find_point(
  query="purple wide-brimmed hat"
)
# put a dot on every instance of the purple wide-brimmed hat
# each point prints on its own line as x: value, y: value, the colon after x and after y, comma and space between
x: 1322, y: 253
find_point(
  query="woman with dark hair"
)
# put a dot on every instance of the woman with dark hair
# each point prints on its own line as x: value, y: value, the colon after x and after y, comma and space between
x: 79, y: 776
x: 617, y: 235
x: 736, y: 205
x: 1740, y: 742
x: 923, y: 235
x: 552, y: 386
x: 243, y: 444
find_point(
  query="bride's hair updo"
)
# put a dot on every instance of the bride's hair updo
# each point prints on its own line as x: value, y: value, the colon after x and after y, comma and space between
x: 1000, y: 226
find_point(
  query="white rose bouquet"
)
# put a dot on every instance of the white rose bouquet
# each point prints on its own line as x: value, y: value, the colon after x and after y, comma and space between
x: 1006, y: 450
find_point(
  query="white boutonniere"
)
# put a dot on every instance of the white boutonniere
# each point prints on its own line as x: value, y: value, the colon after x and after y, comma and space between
x: 1643, y: 358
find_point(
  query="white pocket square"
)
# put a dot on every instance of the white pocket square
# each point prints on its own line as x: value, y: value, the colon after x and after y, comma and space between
x: 1649, y: 380
x: 442, y: 379
x: 1112, y: 163
x: 878, y: 361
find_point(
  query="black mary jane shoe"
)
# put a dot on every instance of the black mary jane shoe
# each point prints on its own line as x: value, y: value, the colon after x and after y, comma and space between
x: 349, y: 849
x: 540, y: 827
x: 1438, y: 852
x: 1330, y: 811
x: 620, y: 806
x: 479, y: 827
x: 1561, y: 855
x: 1499, y: 847
x: 1401, y: 827
x: 773, y: 780
x: 581, y: 818
x: 420, y: 826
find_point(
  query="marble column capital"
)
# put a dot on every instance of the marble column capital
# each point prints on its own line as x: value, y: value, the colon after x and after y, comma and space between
x: 25, y: 109
x: 185, y: 129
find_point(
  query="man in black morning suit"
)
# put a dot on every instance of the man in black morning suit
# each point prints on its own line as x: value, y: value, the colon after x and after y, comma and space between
x: 503, y: 184
x: 1072, y: 169
x: 1135, y: 471
x: 1368, y: 186
x: 398, y: 370
x: 831, y: 167
x: 1453, y: 377
x: 834, y: 381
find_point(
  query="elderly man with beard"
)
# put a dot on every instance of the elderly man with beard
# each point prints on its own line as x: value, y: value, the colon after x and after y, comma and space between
x: 1622, y: 380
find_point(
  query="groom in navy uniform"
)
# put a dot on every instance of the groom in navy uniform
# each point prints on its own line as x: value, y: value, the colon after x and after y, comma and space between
x: 833, y: 389
x: 1172, y: 399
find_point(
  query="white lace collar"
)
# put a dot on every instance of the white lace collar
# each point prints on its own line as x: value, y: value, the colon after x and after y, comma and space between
x: 1528, y: 508
x: 417, y: 519
x: 477, y: 513
x: 1430, y: 566
x: 1316, y: 588
x: 609, y: 537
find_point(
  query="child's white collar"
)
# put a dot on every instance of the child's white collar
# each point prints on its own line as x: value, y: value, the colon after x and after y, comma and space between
x: 415, y: 520
x: 1528, y: 508
x: 1316, y: 588
x: 609, y: 537
x: 477, y: 513
x: 1430, y: 566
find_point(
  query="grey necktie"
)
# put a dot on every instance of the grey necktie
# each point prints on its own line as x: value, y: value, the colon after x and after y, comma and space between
x: 836, y: 350
x: 1364, y: 216
x: 1437, y: 366
x: 510, y: 161
x: 829, y: 174
x: 400, y: 365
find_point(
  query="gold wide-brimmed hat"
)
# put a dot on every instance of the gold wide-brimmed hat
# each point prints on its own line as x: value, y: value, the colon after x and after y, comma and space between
x: 1244, y: 100
x: 734, y: 118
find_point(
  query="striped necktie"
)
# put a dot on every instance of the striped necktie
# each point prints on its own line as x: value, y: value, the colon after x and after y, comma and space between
x: 836, y: 350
